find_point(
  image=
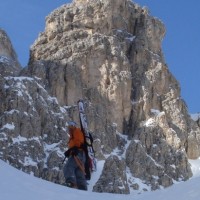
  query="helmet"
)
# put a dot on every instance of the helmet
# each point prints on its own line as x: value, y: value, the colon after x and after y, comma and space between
x: 72, y: 123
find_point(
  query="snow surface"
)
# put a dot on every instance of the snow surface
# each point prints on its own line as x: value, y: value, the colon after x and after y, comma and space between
x: 15, y: 184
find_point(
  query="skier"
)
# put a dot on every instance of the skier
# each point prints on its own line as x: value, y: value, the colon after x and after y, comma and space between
x: 74, y: 170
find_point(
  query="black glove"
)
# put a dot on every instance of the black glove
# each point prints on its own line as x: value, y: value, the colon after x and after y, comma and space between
x: 67, y: 153
x: 74, y: 151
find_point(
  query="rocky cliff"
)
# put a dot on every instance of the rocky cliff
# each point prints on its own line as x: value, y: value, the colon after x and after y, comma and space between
x: 9, y: 64
x: 108, y: 53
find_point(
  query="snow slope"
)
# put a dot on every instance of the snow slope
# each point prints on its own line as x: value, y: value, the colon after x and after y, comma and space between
x: 15, y: 184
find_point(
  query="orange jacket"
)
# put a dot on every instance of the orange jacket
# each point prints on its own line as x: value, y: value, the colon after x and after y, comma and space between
x: 76, y: 138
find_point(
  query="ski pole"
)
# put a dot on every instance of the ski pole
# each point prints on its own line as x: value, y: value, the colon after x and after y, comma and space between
x: 64, y: 160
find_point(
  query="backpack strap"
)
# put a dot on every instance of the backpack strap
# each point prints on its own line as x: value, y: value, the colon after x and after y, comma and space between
x: 80, y: 164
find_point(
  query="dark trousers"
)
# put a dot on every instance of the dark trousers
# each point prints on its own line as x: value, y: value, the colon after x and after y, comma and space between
x: 72, y: 172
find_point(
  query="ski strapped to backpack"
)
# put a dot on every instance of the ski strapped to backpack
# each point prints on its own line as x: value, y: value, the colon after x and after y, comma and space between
x: 90, y: 154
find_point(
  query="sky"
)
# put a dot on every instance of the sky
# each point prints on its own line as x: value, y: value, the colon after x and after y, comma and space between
x: 15, y: 184
x: 23, y: 20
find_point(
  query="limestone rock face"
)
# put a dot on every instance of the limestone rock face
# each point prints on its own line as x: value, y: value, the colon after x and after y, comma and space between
x: 99, y: 47
x: 9, y: 65
x: 194, y: 138
x: 33, y: 132
x: 113, y: 178
x: 107, y: 52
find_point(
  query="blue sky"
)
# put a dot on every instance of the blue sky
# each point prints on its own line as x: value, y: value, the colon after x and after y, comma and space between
x: 23, y: 20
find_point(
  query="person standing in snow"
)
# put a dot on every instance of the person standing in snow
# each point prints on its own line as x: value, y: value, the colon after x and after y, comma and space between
x: 74, y: 171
